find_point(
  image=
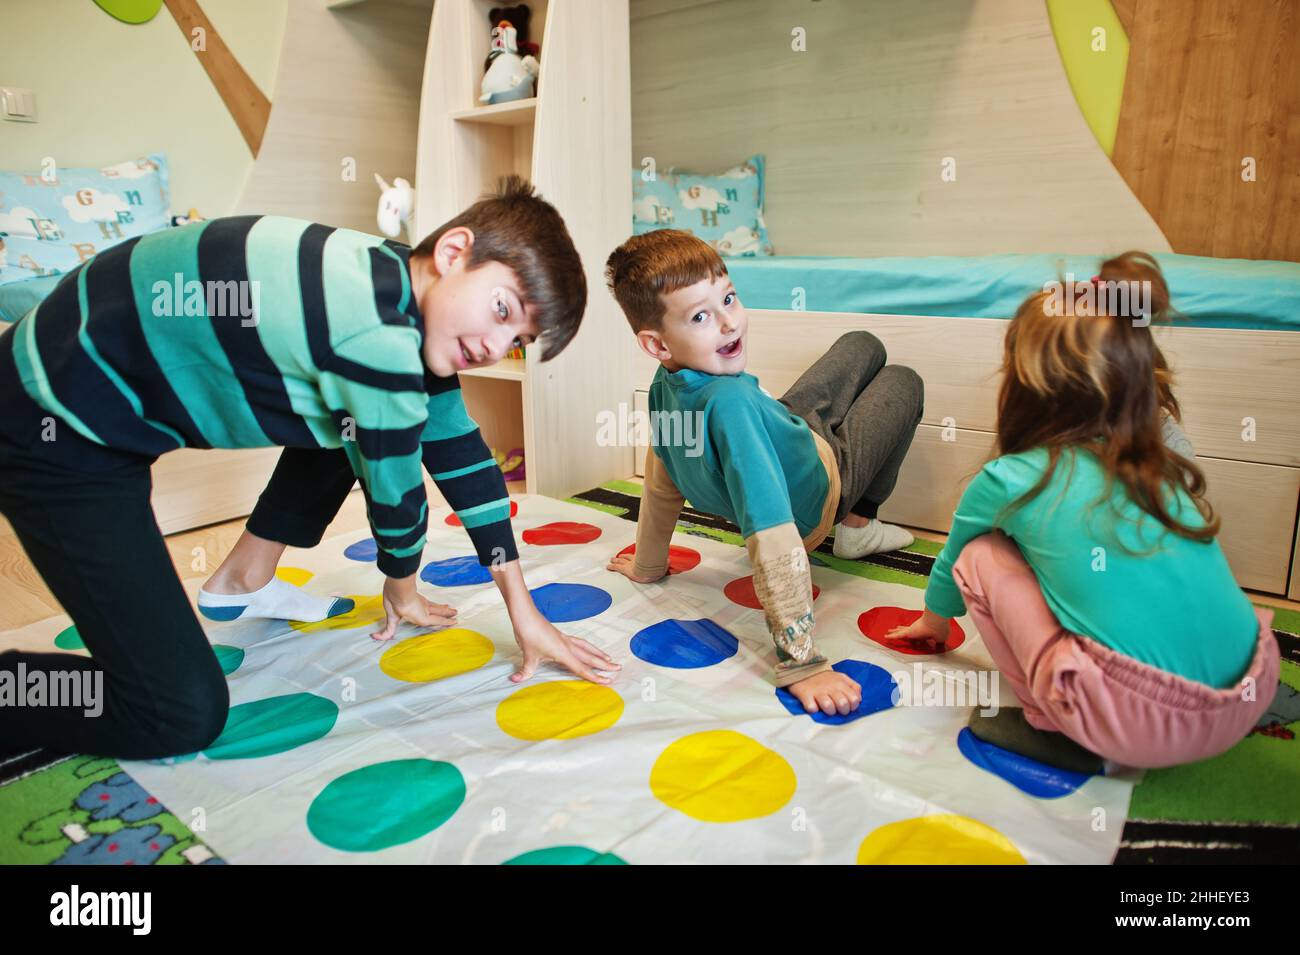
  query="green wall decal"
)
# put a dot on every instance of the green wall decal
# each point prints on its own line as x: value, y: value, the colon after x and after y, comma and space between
x: 1096, y: 77
x: 131, y: 11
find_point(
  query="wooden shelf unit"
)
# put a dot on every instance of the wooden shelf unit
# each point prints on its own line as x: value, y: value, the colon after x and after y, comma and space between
x: 573, y: 140
x: 520, y: 112
x: 508, y: 369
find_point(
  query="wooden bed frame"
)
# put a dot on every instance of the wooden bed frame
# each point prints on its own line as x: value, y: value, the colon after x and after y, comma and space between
x: 193, y: 488
x: 1222, y: 377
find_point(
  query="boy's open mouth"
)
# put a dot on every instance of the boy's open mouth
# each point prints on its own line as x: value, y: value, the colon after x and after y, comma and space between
x: 466, y: 359
x: 731, y: 349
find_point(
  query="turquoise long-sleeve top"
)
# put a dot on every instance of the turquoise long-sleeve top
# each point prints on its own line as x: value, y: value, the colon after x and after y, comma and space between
x: 735, y: 451
x: 1107, y: 569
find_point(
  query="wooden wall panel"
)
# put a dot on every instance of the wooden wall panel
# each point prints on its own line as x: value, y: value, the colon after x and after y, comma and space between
x: 855, y: 128
x: 1210, y: 82
x: 348, y: 86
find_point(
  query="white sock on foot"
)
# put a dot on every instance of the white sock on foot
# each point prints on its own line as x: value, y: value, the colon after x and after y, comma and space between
x: 876, y: 538
x: 279, y: 600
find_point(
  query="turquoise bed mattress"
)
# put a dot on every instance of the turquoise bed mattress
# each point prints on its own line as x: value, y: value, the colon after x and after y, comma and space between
x: 1207, y: 292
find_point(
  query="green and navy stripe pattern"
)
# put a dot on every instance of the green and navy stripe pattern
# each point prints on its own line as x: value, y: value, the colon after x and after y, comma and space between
x: 256, y: 331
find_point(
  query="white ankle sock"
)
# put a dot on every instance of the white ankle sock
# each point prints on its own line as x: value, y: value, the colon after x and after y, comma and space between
x: 278, y: 600
x: 876, y: 538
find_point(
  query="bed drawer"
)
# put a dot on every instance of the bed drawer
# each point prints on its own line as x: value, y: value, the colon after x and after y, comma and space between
x: 192, y: 487
x: 1223, y: 376
x: 1256, y: 502
x: 957, y: 358
x: 934, y: 475
x: 1294, y: 591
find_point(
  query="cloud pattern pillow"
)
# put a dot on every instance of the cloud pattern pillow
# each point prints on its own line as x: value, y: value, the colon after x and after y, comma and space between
x: 50, y: 223
x: 725, y: 210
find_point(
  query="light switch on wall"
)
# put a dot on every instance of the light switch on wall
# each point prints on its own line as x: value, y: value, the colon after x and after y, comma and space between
x: 17, y: 104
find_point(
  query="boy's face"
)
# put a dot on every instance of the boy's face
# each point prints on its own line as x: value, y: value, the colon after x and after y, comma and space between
x: 471, y: 316
x: 704, y: 328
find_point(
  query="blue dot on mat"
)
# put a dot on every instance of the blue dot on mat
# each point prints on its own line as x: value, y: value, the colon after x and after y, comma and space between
x: 564, y: 603
x: 455, y: 572
x: 1028, y: 775
x: 878, y: 693
x: 363, y: 550
x: 684, y: 644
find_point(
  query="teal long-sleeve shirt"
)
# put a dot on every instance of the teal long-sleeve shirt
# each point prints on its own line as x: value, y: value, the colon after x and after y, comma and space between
x: 1107, y: 569
x: 735, y: 451
x: 255, y: 331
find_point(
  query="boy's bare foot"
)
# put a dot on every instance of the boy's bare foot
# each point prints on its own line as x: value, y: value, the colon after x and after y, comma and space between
x: 829, y: 692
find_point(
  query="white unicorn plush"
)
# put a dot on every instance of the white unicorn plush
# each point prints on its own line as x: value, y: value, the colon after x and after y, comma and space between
x: 396, y: 203
x: 509, y: 76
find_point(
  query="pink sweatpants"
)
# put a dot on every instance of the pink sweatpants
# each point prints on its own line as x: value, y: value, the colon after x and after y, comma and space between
x: 1123, y: 710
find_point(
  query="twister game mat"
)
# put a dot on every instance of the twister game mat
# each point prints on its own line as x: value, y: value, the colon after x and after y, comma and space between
x: 340, y: 749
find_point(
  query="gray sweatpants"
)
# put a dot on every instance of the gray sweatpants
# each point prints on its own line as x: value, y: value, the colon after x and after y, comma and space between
x: 866, y: 410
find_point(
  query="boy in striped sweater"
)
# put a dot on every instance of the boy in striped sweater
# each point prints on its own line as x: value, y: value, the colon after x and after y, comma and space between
x: 255, y: 331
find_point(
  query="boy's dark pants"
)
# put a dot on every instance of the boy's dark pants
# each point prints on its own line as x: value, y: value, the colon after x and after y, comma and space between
x: 866, y: 410
x: 83, y: 514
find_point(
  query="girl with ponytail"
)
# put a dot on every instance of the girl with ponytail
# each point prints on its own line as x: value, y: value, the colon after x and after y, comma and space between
x: 1085, y: 550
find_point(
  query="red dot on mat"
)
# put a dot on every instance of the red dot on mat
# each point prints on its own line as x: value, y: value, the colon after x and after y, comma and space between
x: 741, y: 591
x: 877, y: 622
x: 112, y: 847
x: 680, y: 559
x: 103, y: 797
x: 152, y: 800
x: 153, y: 846
x: 454, y: 521
x: 562, y: 532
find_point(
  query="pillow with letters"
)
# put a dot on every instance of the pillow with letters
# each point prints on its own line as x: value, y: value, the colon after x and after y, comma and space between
x: 725, y: 210
x: 53, y: 220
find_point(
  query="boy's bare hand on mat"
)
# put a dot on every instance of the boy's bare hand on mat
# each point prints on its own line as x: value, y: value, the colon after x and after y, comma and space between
x: 542, y: 642
x: 624, y: 563
x: 402, y: 602
x: 829, y: 692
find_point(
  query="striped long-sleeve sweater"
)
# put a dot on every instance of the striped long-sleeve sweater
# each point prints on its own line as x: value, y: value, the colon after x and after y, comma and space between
x: 256, y: 331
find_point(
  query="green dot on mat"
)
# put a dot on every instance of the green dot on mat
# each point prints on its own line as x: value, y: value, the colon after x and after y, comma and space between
x: 385, y: 804
x: 566, y: 855
x: 69, y: 639
x: 229, y: 657
x: 274, y: 725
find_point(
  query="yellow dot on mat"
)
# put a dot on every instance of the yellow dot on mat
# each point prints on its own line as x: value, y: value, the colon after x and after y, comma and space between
x: 434, y: 656
x: 369, y: 611
x: 938, y: 840
x: 560, y: 709
x: 722, y: 776
x: 294, y: 575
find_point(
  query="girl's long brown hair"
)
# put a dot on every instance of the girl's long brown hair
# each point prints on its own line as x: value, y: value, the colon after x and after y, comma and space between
x: 1091, y: 378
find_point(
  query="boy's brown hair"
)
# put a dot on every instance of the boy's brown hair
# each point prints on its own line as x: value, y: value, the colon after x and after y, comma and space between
x: 646, y: 267
x: 518, y: 228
